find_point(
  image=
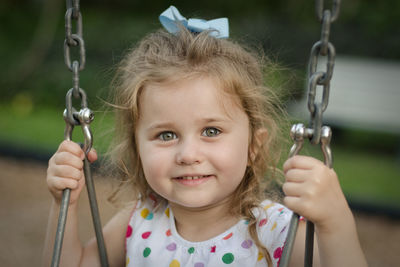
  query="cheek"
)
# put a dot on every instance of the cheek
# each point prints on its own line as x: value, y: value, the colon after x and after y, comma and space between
x: 154, y: 162
x: 232, y: 158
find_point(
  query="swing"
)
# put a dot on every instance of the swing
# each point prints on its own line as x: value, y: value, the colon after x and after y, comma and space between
x: 316, y: 132
x: 72, y: 118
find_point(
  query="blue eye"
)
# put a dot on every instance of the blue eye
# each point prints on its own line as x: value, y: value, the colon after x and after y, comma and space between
x: 210, y: 132
x: 167, y: 136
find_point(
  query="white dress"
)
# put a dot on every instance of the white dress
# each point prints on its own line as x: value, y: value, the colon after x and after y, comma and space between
x: 152, y: 239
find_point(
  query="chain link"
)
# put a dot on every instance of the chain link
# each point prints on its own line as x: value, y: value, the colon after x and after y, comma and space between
x: 74, y: 39
x: 71, y: 116
x: 319, y: 9
x: 321, y: 78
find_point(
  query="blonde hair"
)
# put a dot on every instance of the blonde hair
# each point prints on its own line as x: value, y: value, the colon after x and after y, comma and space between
x: 163, y: 57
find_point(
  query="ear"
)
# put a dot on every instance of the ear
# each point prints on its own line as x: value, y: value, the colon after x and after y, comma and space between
x: 259, y: 138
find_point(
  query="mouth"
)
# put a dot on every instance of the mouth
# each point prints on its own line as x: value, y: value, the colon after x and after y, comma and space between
x: 192, y: 180
x: 192, y: 177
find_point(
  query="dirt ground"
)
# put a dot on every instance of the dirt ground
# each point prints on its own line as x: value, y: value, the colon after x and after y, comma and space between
x: 24, y: 204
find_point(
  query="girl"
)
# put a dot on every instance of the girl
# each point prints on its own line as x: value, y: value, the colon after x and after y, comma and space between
x: 196, y: 133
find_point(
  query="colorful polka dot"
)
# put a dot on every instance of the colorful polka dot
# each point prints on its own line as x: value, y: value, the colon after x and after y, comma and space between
x: 280, y: 211
x: 174, y: 263
x: 191, y: 250
x: 228, y: 236
x: 199, y: 264
x: 247, y: 243
x: 127, y: 261
x: 268, y: 206
x: 246, y: 222
x: 168, y: 232
x: 146, y: 214
x: 146, y: 252
x: 262, y: 222
x: 228, y: 258
x: 260, y: 256
x: 278, y: 253
x: 153, y: 197
x: 172, y: 246
x: 274, y: 226
x: 146, y: 235
x: 213, y: 249
x: 129, y: 231
x: 167, y: 212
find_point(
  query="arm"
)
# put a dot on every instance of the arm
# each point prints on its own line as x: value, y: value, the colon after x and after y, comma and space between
x: 65, y: 171
x: 114, y: 238
x: 313, y: 191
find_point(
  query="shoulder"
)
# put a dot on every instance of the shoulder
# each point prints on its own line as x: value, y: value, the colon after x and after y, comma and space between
x: 274, y: 209
x: 148, y: 208
x: 148, y: 213
x: 118, y: 224
x: 268, y: 210
x: 148, y: 230
x: 272, y: 224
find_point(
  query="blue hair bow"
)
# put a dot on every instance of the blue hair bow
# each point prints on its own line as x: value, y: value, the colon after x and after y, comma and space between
x: 171, y: 17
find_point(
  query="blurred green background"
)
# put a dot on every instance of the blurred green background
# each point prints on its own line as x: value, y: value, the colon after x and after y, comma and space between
x: 34, y: 78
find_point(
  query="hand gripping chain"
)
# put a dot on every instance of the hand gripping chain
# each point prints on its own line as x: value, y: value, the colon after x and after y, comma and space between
x: 72, y: 118
x: 298, y: 133
x: 316, y: 133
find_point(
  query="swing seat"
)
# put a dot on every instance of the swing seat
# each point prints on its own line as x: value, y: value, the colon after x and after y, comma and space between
x: 364, y: 94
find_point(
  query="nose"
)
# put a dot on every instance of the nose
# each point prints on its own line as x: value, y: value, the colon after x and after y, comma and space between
x: 188, y: 152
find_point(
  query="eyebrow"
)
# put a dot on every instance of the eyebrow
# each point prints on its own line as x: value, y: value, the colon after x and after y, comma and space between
x: 215, y: 119
x: 163, y: 125
x: 160, y: 125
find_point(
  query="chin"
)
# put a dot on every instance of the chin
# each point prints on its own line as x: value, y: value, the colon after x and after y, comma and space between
x: 192, y: 204
x: 198, y: 203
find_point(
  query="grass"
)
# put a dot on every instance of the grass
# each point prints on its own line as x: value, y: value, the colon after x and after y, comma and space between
x: 374, y: 177
x: 365, y: 175
x: 42, y: 129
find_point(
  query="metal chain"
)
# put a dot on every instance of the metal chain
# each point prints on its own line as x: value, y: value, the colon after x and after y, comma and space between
x: 73, y: 118
x: 321, y: 78
x: 315, y: 132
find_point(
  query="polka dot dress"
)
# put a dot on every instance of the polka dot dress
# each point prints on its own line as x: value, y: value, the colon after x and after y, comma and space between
x: 152, y: 239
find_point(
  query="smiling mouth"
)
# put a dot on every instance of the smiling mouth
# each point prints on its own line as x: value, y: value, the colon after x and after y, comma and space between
x: 192, y: 177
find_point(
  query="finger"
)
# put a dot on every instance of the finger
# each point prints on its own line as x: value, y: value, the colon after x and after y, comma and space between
x: 92, y: 155
x: 291, y: 203
x: 71, y: 147
x: 296, y: 175
x: 67, y: 171
x: 60, y: 183
x: 293, y: 189
x: 66, y: 158
x: 300, y: 162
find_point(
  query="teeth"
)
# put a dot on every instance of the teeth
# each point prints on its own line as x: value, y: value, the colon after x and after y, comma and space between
x: 192, y: 177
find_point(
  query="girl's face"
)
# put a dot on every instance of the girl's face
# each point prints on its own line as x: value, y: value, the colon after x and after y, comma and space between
x: 193, y: 142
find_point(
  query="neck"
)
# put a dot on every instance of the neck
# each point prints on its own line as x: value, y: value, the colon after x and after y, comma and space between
x: 200, y: 224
